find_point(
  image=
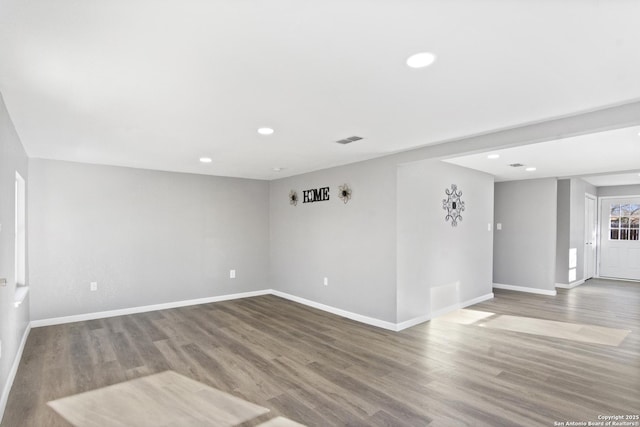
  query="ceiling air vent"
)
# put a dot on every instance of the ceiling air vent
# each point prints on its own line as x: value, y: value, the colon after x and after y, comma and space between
x: 349, y: 140
x: 516, y: 165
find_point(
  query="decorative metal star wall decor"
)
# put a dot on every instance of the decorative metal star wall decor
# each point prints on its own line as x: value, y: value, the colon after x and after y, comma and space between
x: 344, y: 192
x: 453, y: 204
x: 293, y: 197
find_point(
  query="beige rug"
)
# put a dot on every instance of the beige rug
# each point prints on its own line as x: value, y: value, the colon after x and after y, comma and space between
x: 549, y: 328
x: 167, y: 399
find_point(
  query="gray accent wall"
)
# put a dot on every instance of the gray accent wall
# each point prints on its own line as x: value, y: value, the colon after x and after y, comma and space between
x: 385, y: 250
x: 619, y: 190
x: 352, y: 244
x: 146, y: 237
x: 13, y: 320
x: 525, y: 249
x: 563, y: 230
x: 441, y: 266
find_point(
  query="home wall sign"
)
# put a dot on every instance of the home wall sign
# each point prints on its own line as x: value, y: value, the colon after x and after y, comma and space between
x: 315, y: 195
x: 453, y: 204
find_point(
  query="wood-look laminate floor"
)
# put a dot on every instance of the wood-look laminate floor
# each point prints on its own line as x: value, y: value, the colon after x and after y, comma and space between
x: 322, y: 370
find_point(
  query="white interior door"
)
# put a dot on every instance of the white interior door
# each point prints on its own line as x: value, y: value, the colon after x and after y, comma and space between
x: 590, y: 232
x: 620, y: 239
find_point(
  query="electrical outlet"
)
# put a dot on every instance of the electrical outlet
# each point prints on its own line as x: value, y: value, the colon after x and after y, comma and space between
x: 489, y: 227
x: 232, y: 274
x: 93, y: 286
x: 499, y: 226
x: 326, y: 281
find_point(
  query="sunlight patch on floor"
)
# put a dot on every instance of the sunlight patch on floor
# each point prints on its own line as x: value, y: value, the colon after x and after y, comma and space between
x: 280, y: 422
x: 165, y: 399
x: 549, y: 328
x: 529, y: 325
x: 464, y: 316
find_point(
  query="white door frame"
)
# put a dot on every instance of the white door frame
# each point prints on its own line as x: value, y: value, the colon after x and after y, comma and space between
x: 599, y: 237
x: 596, y: 240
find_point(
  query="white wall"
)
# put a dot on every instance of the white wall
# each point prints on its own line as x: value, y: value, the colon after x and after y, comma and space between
x: 440, y: 266
x: 13, y: 321
x: 525, y: 249
x: 146, y: 237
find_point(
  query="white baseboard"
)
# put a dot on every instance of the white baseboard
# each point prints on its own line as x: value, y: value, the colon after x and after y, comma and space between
x: 146, y: 308
x: 377, y: 322
x: 143, y: 309
x: 413, y: 322
x: 569, y: 285
x: 463, y: 304
x: 477, y: 300
x: 617, y: 279
x: 424, y: 318
x: 338, y: 311
x: 525, y: 289
x: 12, y: 373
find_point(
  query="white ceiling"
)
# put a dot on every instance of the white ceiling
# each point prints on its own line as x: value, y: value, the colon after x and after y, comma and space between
x: 597, y: 154
x: 159, y: 83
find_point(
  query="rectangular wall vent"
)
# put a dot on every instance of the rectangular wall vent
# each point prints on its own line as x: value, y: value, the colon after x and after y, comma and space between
x: 516, y: 165
x: 349, y: 140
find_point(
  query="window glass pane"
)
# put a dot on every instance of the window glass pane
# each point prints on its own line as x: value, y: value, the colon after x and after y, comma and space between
x: 624, y: 222
x: 634, y: 222
x: 624, y: 234
x: 635, y: 210
x: 614, y: 234
x: 615, y: 210
x: 633, y: 234
x: 625, y: 210
x: 615, y: 223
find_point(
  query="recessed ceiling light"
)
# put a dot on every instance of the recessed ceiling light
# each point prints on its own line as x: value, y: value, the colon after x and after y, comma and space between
x: 531, y: 169
x: 421, y: 60
x: 265, y: 131
x: 277, y: 169
x: 493, y: 156
x: 205, y: 159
